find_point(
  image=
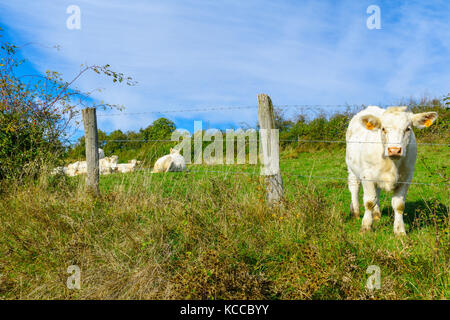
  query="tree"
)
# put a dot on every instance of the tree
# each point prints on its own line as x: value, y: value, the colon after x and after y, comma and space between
x: 115, y: 142
x: 447, y: 100
x: 281, y: 123
x: 78, y: 151
x: 160, y: 129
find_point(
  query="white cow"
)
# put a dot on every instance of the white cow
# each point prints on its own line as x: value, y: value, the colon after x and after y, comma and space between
x: 76, y: 168
x: 59, y: 170
x: 381, y: 153
x: 170, y: 163
x: 127, y: 167
x: 80, y: 167
x: 108, y: 165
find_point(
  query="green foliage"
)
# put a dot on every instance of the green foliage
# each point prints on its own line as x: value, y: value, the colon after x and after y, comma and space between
x: 447, y: 100
x: 160, y: 129
x: 131, y: 145
x: 281, y: 123
x: 35, y: 112
x: 440, y: 130
x: 117, y: 142
x: 333, y: 127
x: 30, y: 126
x: 149, y: 144
x: 78, y: 151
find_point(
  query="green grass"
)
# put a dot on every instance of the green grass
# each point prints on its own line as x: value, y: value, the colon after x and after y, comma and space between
x: 208, y: 234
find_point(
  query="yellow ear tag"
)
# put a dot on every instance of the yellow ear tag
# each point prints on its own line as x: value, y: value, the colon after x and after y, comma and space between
x: 428, y: 123
x: 369, y: 126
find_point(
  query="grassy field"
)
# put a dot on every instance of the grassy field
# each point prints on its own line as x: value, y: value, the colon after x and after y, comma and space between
x: 207, y: 234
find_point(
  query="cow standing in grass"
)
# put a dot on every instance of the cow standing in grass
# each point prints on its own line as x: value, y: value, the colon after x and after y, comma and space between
x: 381, y: 153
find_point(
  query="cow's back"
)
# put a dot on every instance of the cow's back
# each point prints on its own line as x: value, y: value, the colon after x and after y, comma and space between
x: 162, y: 164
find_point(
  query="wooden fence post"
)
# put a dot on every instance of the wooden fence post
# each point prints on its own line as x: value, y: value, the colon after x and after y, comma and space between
x: 91, y: 141
x: 269, y: 150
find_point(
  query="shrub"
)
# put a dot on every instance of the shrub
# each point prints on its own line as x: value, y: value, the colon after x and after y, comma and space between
x: 30, y: 126
x: 35, y: 112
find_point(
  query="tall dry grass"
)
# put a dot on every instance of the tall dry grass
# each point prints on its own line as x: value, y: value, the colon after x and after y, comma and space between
x: 202, y: 237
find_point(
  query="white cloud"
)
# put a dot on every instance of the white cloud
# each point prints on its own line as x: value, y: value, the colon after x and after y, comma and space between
x: 200, y: 53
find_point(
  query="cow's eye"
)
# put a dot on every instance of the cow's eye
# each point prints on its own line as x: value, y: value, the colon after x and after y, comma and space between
x: 408, y: 129
x: 383, y: 130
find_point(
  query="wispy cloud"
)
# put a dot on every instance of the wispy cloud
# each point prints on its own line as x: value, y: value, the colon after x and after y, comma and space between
x: 210, y: 53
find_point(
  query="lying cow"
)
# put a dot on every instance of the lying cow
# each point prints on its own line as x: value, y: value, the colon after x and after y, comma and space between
x: 108, y: 165
x: 170, y: 163
x: 80, y: 167
x: 127, y: 167
x: 381, y: 153
x: 76, y: 168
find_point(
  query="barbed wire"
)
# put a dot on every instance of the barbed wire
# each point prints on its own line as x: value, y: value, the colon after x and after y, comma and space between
x: 343, y: 141
x: 366, y: 180
x: 223, y: 108
x: 255, y: 107
x: 178, y: 111
x: 281, y: 106
x: 281, y: 140
x: 297, y: 106
x: 307, y: 176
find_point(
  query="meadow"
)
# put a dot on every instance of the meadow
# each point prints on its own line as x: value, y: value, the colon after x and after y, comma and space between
x: 208, y: 234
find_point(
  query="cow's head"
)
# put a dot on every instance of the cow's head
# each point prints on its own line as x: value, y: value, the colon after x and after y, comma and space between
x: 394, y: 127
x: 174, y: 151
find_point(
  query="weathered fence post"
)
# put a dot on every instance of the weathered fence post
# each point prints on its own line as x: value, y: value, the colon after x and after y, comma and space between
x: 91, y: 140
x: 269, y: 150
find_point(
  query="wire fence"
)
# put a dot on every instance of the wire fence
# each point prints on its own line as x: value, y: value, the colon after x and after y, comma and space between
x: 256, y: 171
x: 281, y: 140
x: 285, y: 106
x: 297, y: 141
x: 230, y: 108
x: 304, y: 175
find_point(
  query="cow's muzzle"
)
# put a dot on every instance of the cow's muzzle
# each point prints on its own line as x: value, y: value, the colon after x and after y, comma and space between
x: 394, y: 151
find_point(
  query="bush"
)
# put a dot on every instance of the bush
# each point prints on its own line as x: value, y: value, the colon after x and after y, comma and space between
x: 35, y: 112
x: 333, y: 127
x: 30, y: 127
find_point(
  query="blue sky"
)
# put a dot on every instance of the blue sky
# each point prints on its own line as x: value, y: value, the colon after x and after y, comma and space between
x: 198, y: 53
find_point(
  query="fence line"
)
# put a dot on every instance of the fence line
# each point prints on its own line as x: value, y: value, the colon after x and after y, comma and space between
x: 288, y: 173
x: 178, y: 110
x: 268, y: 143
x: 281, y: 140
x: 283, y: 106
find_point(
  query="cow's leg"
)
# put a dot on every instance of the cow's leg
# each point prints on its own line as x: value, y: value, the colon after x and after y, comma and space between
x: 398, y: 204
x: 370, y: 195
x: 376, y: 210
x: 353, y: 186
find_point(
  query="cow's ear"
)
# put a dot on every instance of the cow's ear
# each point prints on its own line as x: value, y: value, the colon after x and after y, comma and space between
x: 371, y: 122
x: 424, y: 120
